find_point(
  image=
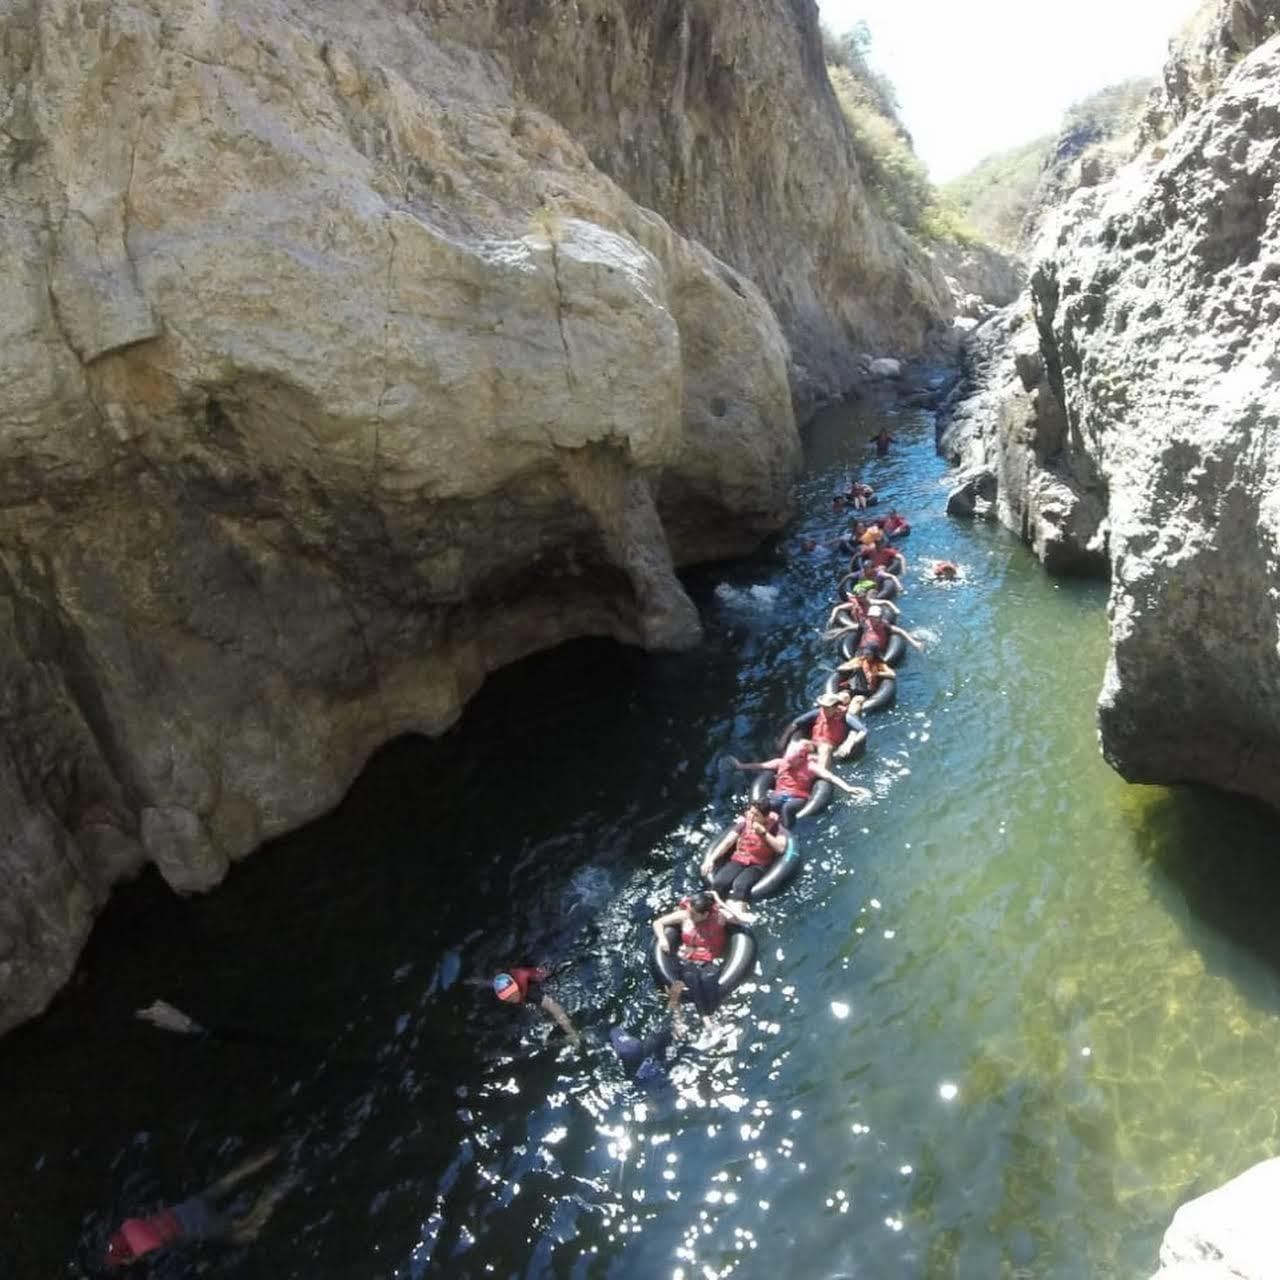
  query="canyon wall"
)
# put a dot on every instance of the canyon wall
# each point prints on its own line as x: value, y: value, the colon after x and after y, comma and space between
x: 1127, y: 420
x: 720, y: 114
x: 336, y: 371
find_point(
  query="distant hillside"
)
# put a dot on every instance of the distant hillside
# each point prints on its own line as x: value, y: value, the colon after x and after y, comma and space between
x: 1006, y: 196
x: 995, y: 196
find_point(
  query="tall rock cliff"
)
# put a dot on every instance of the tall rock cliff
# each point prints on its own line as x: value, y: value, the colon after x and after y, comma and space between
x: 1128, y: 419
x: 335, y: 373
x: 720, y: 114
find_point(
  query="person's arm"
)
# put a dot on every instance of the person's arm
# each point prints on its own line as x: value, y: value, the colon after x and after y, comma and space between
x: 734, y: 910
x: 908, y: 637
x: 776, y: 841
x: 836, y: 781
x: 747, y: 766
x: 893, y: 577
x: 662, y: 923
x: 556, y: 1010
x: 893, y: 608
x: 718, y: 851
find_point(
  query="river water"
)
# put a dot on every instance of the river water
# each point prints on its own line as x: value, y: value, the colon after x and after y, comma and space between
x: 1011, y: 1015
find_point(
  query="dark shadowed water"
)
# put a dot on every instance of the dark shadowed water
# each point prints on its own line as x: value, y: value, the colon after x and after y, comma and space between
x: 1011, y: 1015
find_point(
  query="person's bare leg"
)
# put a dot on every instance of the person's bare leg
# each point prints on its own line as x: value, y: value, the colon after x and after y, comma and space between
x: 825, y: 750
x: 247, y: 1228
x: 246, y: 1169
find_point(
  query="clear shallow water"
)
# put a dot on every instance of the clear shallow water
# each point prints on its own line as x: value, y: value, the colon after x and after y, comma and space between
x: 1013, y: 1013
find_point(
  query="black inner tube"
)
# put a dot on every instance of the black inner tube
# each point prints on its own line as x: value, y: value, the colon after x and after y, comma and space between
x: 736, y: 963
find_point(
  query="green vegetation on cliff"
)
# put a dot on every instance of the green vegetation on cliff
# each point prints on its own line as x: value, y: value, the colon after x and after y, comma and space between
x: 896, y: 177
x: 1006, y: 195
x: 996, y: 195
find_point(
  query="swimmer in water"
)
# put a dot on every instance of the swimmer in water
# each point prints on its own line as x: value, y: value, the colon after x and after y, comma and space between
x: 882, y: 440
x: 214, y: 1215
x: 524, y: 986
x: 944, y: 570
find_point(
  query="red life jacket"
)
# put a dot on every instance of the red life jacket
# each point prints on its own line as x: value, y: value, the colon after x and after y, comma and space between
x: 893, y: 523
x: 703, y: 942
x: 796, y: 776
x: 857, y: 606
x: 830, y: 726
x: 752, y: 849
x: 881, y: 557
x: 875, y: 631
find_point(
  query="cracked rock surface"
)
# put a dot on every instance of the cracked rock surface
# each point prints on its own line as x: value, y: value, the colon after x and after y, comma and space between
x: 1129, y: 415
x: 333, y: 375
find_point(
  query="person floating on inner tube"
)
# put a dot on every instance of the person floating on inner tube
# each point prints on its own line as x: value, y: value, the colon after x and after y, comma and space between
x: 885, y: 558
x: 831, y: 730
x: 853, y: 613
x: 855, y: 588
x: 524, y: 986
x: 212, y: 1215
x: 703, y: 920
x: 797, y: 770
x: 752, y: 845
x: 882, y: 440
x: 895, y: 525
x: 860, y: 495
x: 876, y: 632
x: 863, y: 675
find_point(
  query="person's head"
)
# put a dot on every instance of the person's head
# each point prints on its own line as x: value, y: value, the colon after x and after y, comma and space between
x: 807, y: 545
x: 859, y: 527
x: 876, y: 611
x: 893, y: 511
x: 701, y: 905
x: 830, y: 701
x: 505, y: 987
x: 800, y: 748
x: 757, y: 811
x: 861, y: 587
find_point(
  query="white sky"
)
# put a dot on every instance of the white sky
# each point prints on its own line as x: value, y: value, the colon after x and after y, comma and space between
x: 977, y: 76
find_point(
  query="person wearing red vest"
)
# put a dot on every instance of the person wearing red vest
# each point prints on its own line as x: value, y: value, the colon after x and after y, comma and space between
x: 835, y: 730
x: 203, y: 1218
x: 883, y: 559
x: 895, y: 524
x: 876, y: 631
x: 752, y: 845
x: 863, y: 675
x: 703, y: 920
x: 797, y: 772
x: 524, y: 986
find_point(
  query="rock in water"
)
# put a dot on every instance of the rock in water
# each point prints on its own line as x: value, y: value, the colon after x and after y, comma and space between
x: 1231, y: 1233
x: 1136, y: 428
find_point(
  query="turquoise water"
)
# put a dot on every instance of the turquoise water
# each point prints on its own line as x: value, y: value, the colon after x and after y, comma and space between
x: 1013, y: 1013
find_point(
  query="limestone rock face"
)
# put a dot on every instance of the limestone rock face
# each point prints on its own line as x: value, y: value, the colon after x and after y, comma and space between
x: 332, y: 376
x: 719, y: 114
x: 981, y: 279
x: 1217, y: 36
x: 1231, y: 1233
x: 1144, y: 402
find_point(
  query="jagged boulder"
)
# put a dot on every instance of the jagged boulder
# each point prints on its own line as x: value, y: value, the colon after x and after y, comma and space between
x: 1152, y: 431
x: 1231, y: 1233
x: 332, y: 376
